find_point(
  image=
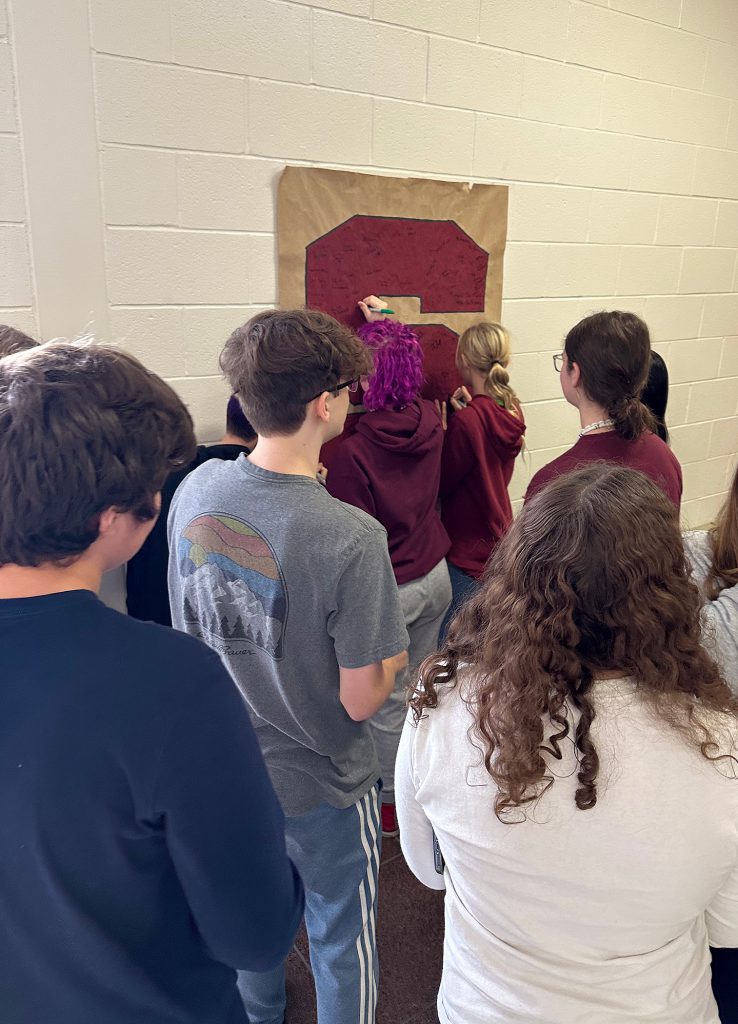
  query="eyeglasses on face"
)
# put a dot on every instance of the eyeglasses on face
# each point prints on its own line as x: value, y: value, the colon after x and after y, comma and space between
x: 352, y: 385
x: 558, y: 361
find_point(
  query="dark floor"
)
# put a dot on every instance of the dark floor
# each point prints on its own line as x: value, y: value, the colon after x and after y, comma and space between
x: 410, y: 938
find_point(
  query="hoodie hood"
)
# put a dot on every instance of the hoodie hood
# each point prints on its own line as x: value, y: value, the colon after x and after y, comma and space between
x: 414, y: 429
x: 503, y: 431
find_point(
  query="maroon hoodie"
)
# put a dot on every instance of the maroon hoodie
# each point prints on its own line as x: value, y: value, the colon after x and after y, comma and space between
x: 479, y: 453
x: 390, y: 466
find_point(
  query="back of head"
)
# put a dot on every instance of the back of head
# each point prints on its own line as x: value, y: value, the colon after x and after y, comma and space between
x: 486, y: 348
x: 724, y: 535
x: 281, y: 359
x: 590, y: 579
x: 397, y: 357
x: 12, y: 341
x: 83, y: 428
x: 655, y: 394
x: 236, y: 422
x: 613, y: 352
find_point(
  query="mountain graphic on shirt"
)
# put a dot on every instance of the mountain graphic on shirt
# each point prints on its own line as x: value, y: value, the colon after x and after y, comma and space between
x: 233, y: 586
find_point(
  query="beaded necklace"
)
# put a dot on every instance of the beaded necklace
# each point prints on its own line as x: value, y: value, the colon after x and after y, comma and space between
x: 596, y: 426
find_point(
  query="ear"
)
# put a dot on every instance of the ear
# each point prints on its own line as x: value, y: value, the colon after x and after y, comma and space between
x: 322, y: 407
x: 108, y: 518
x: 575, y: 374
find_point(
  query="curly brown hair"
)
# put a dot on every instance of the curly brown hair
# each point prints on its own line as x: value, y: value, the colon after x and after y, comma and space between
x: 591, y: 579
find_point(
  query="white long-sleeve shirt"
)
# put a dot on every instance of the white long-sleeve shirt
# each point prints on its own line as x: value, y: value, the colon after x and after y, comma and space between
x: 577, y: 917
x: 719, y: 617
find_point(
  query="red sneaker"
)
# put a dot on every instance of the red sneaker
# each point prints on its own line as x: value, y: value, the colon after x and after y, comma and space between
x: 389, y: 821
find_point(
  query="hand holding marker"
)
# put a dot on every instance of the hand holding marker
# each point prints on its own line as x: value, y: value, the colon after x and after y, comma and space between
x: 373, y: 308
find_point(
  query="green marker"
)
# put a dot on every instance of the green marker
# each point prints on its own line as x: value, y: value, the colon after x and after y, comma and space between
x: 373, y: 309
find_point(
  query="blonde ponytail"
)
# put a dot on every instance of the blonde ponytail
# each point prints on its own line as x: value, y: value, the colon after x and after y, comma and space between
x: 486, y: 348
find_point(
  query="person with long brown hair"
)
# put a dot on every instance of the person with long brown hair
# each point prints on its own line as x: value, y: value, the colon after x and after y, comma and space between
x: 572, y: 756
x: 603, y: 370
x: 713, y: 555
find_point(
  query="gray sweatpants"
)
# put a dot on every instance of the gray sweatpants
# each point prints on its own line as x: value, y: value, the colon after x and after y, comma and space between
x: 424, y: 603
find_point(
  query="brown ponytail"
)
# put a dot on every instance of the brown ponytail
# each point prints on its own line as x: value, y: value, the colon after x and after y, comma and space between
x: 632, y: 418
x: 613, y: 352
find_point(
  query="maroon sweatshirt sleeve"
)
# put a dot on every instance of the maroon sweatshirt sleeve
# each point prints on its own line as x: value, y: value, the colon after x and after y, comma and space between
x: 459, y: 457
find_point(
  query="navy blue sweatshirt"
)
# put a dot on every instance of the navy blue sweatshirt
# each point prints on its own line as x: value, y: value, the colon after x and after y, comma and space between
x: 147, y: 593
x: 142, y: 853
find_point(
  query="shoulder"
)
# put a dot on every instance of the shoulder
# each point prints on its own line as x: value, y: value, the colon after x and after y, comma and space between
x: 444, y: 734
x: 156, y: 657
x: 210, y: 472
x: 657, y: 444
x: 453, y: 705
x: 654, y: 442
x: 491, y: 416
x: 351, y: 449
x: 355, y: 523
x: 484, y: 407
x: 218, y: 466
x: 659, y: 450
x: 426, y: 407
x: 561, y: 464
x: 622, y: 706
x: 698, y: 547
x: 465, y: 421
x: 205, y: 488
x: 149, y: 640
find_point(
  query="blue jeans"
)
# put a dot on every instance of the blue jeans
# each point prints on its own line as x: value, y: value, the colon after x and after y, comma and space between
x: 337, y: 855
x: 462, y: 588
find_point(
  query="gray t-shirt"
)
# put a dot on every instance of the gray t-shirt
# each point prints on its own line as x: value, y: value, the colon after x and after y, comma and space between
x: 287, y: 583
x: 719, y: 617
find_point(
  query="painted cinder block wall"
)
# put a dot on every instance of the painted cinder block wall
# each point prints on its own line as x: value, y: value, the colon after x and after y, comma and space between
x: 615, y: 125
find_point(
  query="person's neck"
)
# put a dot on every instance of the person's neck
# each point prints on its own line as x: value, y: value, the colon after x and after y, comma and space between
x: 294, y: 455
x: 235, y: 439
x: 476, y: 385
x: 589, y: 412
x: 49, y: 578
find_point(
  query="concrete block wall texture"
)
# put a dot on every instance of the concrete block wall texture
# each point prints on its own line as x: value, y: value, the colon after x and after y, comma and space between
x: 614, y: 122
x: 17, y: 305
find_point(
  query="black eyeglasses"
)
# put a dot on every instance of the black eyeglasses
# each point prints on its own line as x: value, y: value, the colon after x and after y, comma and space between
x: 558, y: 361
x: 352, y: 385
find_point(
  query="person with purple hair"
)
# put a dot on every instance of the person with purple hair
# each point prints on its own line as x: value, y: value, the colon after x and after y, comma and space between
x: 390, y: 467
x: 147, y: 594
